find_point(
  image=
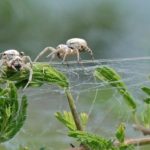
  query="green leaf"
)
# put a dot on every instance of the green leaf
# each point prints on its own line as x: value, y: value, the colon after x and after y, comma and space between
x: 146, y: 90
x: 92, y: 141
x: 84, y: 119
x: 146, y: 111
x: 147, y: 100
x: 110, y: 76
x: 120, y: 133
x: 67, y: 119
x: 42, y: 73
x: 12, y: 116
x: 146, y: 116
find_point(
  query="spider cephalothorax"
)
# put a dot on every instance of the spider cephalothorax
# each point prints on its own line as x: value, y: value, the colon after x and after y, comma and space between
x: 17, y: 61
x: 73, y: 46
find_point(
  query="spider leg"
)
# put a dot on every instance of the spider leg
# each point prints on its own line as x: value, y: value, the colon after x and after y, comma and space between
x: 30, y: 77
x: 28, y: 64
x: 10, y: 64
x: 53, y: 52
x: 78, y: 56
x: 13, y: 67
x: 52, y: 57
x: 64, y: 58
x: 27, y: 59
x: 78, y: 59
x: 1, y: 65
x: 43, y: 52
x: 91, y: 53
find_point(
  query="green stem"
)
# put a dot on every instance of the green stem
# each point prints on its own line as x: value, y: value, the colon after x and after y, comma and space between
x: 73, y: 110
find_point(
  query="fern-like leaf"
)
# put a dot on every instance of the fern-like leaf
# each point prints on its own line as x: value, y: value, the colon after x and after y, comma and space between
x: 67, y: 119
x: 110, y: 76
x: 12, y: 116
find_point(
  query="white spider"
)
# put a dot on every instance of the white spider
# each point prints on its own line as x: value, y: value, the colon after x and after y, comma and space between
x: 17, y: 61
x: 73, y: 46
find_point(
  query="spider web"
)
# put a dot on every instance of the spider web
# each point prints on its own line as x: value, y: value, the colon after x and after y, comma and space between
x: 102, y: 102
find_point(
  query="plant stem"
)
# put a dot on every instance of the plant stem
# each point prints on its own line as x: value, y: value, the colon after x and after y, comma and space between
x: 135, y: 142
x: 73, y: 110
x: 145, y: 131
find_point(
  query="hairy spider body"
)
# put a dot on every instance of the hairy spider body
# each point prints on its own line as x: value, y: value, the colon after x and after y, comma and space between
x: 72, y: 47
x: 17, y: 61
x: 80, y: 44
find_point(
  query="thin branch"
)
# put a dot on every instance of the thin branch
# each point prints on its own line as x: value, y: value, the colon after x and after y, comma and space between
x: 135, y: 142
x: 144, y: 130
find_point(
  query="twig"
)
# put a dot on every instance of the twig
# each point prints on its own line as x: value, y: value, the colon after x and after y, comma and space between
x: 135, y: 142
x: 144, y: 130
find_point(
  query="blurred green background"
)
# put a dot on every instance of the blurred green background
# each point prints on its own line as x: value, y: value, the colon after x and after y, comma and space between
x: 112, y: 28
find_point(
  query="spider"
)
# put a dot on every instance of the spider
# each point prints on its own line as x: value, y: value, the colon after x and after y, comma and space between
x: 73, y: 46
x: 17, y: 61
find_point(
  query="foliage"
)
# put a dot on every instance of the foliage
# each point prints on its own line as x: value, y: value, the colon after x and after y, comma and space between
x: 146, y: 112
x: 146, y: 116
x: 109, y: 75
x: 120, y: 133
x: 12, y: 116
x: 147, y: 91
x: 67, y: 119
x: 92, y: 141
x: 95, y: 142
x: 42, y: 73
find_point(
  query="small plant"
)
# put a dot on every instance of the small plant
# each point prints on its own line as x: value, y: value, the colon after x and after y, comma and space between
x: 13, y: 115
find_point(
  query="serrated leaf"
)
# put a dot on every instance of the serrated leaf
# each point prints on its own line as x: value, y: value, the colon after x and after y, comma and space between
x: 12, y: 116
x: 92, y: 141
x: 67, y: 119
x: 147, y: 100
x: 84, y: 119
x: 146, y: 90
x: 42, y: 73
x: 110, y: 76
x: 120, y: 133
